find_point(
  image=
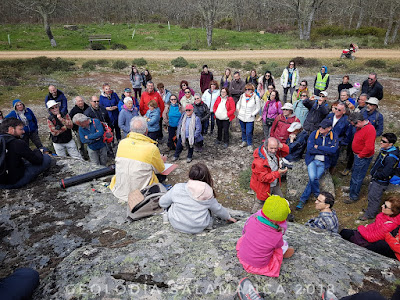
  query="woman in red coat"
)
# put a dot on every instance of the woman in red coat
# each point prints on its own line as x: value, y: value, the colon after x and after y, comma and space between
x: 372, y: 236
x: 224, y: 113
x: 282, y: 123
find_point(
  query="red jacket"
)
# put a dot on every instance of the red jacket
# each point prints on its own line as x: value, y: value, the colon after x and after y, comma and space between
x: 230, y: 107
x: 146, y: 98
x: 394, y: 243
x: 280, y: 126
x: 377, y: 230
x: 364, y: 141
x: 262, y: 175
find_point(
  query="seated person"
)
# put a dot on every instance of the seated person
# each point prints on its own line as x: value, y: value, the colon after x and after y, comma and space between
x: 372, y: 236
x: 19, y: 285
x: 327, y: 218
x: 138, y: 161
x: 191, y: 205
x: 282, y: 123
x: 297, y: 142
x: 22, y: 165
x: 262, y: 248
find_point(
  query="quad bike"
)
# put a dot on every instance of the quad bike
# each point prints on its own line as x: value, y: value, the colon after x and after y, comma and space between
x: 348, y: 53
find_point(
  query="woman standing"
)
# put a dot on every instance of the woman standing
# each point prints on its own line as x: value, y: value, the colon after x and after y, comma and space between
x: 264, y: 81
x: 187, y: 98
x: 153, y: 120
x: 109, y: 100
x: 184, y: 85
x: 224, y: 111
x: 171, y: 116
x: 128, y: 111
x: 209, y: 98
x: 248, y: 107
x: 253, y: 78
x: 146, y: 77
x: 271, y: 110
x: 137, y: 81
x: 226, y: 79
x: 289, y: 80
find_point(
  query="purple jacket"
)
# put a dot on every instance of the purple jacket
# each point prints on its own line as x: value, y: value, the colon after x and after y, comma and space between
x: 273, y: 110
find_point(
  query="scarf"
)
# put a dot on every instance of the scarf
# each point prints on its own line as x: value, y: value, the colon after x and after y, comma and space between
x: 192, y: 127
x: 248, y: 96
x: 22, y: 117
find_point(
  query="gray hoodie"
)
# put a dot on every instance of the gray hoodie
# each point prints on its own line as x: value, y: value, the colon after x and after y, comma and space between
x: 190, y: 205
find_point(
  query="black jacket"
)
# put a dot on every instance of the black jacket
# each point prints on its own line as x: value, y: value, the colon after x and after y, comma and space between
x: 202, y: 111
x: 315, y: 115
x: 100, y: 114
x: 76, y: 110
x: 383, y: 167
x: 17, y: 151
x: 373, y: 91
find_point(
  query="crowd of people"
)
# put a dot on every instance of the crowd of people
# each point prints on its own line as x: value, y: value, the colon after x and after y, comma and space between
x: 301, y: 124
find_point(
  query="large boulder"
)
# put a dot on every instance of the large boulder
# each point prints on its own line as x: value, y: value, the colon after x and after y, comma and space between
x: 85, y: 248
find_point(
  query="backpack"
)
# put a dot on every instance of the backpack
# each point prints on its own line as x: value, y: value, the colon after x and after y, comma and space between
x: 108, y: 134
x: 144, y: 203
x: 3, y: 152
x: 395, y: 179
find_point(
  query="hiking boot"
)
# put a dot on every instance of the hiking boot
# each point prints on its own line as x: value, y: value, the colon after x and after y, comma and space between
x: 350, y: 201
x: 300, y: 205
x: 243, y: 144
x: 328, y: 295
x: 345, y: 172
x: 290, y: 218
x: 246, y: 290
x: 289, y: 253
x: 250, y: 148
x: 189, y: 160
x: 175, y: 158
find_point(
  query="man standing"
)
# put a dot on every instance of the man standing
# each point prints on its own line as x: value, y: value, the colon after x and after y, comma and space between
x: 79, y: 108
x: 236, y: 89
x: 137, y: 162
x: 317, y: 111
x: 95, y: 111
x: 205, y: 79
x: 327, y: 218
x: 164, y: 93
x: 373, y: 115
x: 372, y: 87
x: 364, y: 148
x: 22, y: 165
x: 127, y: 93
x: 266, y: 174
x: 321, y: 82
x: 381, y: 172
x: 58, y: 96
x: 322, y: 144
x: 148, y: 95
x: 91, y: 132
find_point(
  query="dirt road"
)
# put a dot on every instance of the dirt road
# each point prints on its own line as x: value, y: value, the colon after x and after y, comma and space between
x: 195, y: 55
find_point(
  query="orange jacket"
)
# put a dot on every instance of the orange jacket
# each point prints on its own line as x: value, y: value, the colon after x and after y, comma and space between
x: 146, y: 98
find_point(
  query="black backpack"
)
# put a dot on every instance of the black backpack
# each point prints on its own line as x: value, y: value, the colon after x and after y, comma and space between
x: 3, y: 151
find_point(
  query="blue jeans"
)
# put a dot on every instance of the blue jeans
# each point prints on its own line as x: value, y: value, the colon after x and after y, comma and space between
x: 315, y: 171
x: 359, y: 171
x: 20, y: 284
x: 247, y: 132
x: 31, y: 172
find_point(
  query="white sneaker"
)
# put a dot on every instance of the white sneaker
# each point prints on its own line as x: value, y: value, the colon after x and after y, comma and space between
x: 250, y: 148
x: 243, y: 144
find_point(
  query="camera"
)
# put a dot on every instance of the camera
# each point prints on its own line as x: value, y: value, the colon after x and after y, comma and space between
x: 285, y: 165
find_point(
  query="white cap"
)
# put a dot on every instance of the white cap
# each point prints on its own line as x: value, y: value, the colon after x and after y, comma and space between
x: 294, y: 126
x: 287, y: 105
x: 51, y: 103
x: 324, y: 93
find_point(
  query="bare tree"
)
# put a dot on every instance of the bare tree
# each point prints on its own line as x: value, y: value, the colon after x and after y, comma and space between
x: 209, y: 10
x: 44, y: 8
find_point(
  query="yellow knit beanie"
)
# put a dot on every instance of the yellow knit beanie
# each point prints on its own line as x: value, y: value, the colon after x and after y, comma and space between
x: 276, y: 208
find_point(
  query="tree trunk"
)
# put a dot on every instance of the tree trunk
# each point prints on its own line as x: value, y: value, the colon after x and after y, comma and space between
x: 46, y: 25
x: 209, y: 34
x: 301, y: 35
x: 361, y: 15
x: 390, y: 26
x: 307, y: 32
x: 395, y: 30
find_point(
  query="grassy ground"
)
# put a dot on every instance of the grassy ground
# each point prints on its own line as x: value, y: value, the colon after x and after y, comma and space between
x: 159, y: 37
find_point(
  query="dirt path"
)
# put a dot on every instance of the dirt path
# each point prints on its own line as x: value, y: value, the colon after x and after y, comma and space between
x: 194, y: 55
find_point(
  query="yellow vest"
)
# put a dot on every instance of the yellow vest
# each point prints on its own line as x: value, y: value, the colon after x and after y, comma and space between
x: 321, y: 82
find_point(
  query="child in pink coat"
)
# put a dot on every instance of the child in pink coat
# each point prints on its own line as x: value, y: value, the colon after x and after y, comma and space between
x: 262, y: 248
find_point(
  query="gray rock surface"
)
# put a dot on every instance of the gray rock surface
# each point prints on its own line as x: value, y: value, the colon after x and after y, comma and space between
x: 297, y: 179
x: 85, y: 248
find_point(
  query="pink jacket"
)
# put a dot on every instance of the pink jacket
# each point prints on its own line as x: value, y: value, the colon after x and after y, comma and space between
x: 273, y: 109
x: 377, y: 230
x: 259, y: 241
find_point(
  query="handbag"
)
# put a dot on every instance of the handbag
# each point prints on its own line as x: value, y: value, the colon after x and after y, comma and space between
x: 269, y: 121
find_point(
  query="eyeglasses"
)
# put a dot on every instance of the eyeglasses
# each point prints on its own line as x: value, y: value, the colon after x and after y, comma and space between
x: 249, y: 89
x: 189, y: 110
x: 285, y: 109
x: 303, y: 84
x: 267, y: 75
x: 184, y: 85
x: 96, y: 101
x: 303, y: 96
x: 187, y: 92
x: 172, y: 99
x: 196, y: 98
x: 385, y: 206
x: 370, y: 78
x: 384, y: 142
x: 53, y: 107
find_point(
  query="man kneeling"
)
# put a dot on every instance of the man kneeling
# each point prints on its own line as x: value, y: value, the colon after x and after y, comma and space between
x: 21, y: 165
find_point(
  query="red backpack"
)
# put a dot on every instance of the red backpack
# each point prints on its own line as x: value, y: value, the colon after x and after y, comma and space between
x: 108, y: 134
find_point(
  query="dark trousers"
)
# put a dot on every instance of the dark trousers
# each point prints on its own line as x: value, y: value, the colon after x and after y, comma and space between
x: 370, y: 295
x: 34, y: 137
x: 375, y: 192
x: 223, y: 130
x: 117, y: 130
x: 179, y: 147
x: 153, y: 135
x: 171, y: 134
x: 20, y: 284
x: 212, y: 121
x: 138, y: 93
x: 204, y: 127
x: 350, y: 156
x: 31, y: 172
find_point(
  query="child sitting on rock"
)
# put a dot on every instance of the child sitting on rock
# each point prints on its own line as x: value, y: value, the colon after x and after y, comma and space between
x: 261, y: 248
x: 190, y: 204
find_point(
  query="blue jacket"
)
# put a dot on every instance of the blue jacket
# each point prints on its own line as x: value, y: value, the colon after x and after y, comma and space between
x: 60, y: 99
x: 32, y: 125
x: 297, y: 148
x: 174, y: 115
x: 121, y: 102
x: 154, y: 116
x: 376, y: 119
x: 330, y: 148
x: 342, y: 129
x: 124, y: 119
x: 94, y: 133
x: 104, y: 102
x: 383, y: 168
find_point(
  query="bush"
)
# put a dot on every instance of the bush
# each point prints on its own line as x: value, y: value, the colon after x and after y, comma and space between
x: 139, y: 62
x: 248, y: 65
x: 234, y: 64
x: 263, y: 62
x: 119, y: 65
x: 89, y: 65
x: 118, y: 46
x: 332, y: 30
x: 192, y: 66
x: 97, y: 46
x: 375, y: 63
x: 244, y: 179
x: 185, y: 47
x: 102, y: 62
x: 179, y: 62
x: 299, y: 60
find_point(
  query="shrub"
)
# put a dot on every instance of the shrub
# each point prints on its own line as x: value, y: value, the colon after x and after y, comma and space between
x: 118, y: 46
x: 299, y: 60
x: 234, y: 64
x: 192, y: 66
x: 248, y: 65
x: 263, y: 62
x: 119, y: 65
x: 179, y: 62
x: 89, y: 65
x: 185, y: 47
x: 139, y: 62
x: 102, y: 62
x: 311, y: 62
x: 244, y: 179
x: 375, y: 63
x: 97, y: 46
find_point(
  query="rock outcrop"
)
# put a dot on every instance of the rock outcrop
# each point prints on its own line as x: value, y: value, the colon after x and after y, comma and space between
x: 85, y: 248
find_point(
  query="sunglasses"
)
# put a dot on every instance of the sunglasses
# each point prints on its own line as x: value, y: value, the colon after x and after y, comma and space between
x: 196, y: 98
x: 249, y: 89
x: 371, y: 78
x: 96, y: 101
x: 267, y: 75
x: 303, y: 96
x: 184, y: 85
x: 173, y: 99
x: 189, y: 110
x: 303, y: 84
x: 187, y: 92
x: 384, y: 142
x: 385, y: 206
